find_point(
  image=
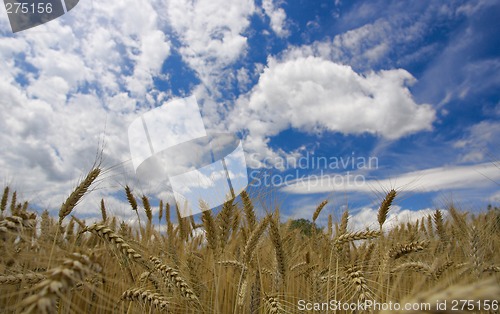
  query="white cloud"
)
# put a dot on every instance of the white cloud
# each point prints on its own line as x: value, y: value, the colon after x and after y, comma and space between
x: 312, y: 94
x: 372, y: 37
x: 211, y: 34
x: 243, y: 78
x: 277, y: 17
x: 495, y: 198
x: 154, y: 50
x: 479, y: 142
x: 428, y: 180
x: 83, y: 74
x: 366, y: 217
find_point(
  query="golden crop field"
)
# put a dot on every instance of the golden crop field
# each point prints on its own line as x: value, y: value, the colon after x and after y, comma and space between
x: 242, y: 263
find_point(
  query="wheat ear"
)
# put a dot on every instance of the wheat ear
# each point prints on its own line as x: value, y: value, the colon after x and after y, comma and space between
x: 109, y: 235
x: 224, y: 222
x: 171, y: 275
x: 130, y: 198
x: 210, y: 228
x: 353, y: 236
x: 278, y: 247
x: 414, y: 266
x: 253, y: 240
x: 103, y: 211
x: 60, y: 279
x: 343, y: 223
x: 384, y: 207
x: 146, y: 297
x: 492, y: 268
x: 406, y: 249
x: 358, y: 280
x: 232, y: 263
x: 147, y: 208
x: 318, y: 210
x: 273, y: 304
x: 438, y: 221
x: 18, y: 278
x: 77, y: 194
x: 5, y: 196
x: 249, y: 210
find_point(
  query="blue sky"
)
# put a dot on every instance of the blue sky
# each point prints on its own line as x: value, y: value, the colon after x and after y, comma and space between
x: 414, y: 85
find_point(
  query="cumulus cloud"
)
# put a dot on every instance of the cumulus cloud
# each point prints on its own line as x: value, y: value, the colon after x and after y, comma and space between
x: 69, y: 81
x: 366, y: 217
x: 211, y: 34
x: 277, y: 17
x: 313, y: 94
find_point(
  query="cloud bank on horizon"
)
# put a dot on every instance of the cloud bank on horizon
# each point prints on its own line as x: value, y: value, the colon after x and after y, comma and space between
x: 415, y: 85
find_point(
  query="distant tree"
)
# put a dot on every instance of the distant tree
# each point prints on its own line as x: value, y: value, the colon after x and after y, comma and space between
x: 305, y: 226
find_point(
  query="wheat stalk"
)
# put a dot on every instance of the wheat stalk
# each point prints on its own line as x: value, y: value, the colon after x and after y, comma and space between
x: 253, y: 240
x: 298, y: 265
x: 476, y: 252
x: 59, y: 280
x: 384, y: 207
x: 458, y: 219
x: 13, y: 203
x: 249, y: 210
x: 173, y: 276
x: 224, y: 223
x: 77, y: 194
x: 5, y: 197
x: 109, y: 235
x: 343, y: 223
x: 210, y: 228
x: 415, y: 266
x: 182, y: 225
x: 278, y: 247
x: 318, y: 210
x: 273, y: 304
x: 242, y: 290
x: 147, y: 208
x: 358, y: 280
x: 438, y: 220
x: 439, y: 270
x: 30, y: 278
x: 232, y: 263
x: 160, y: 211
x: 147, y: 297
x: 406, y: 249
x: 329, y: 227
x: 353, y: 236
x: 103, y: 212
x: 492, y: 268
x: 130, y: 198
x: 255, y: 295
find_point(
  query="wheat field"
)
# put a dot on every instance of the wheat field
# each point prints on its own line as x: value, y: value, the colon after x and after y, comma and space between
x: 235, y: 261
